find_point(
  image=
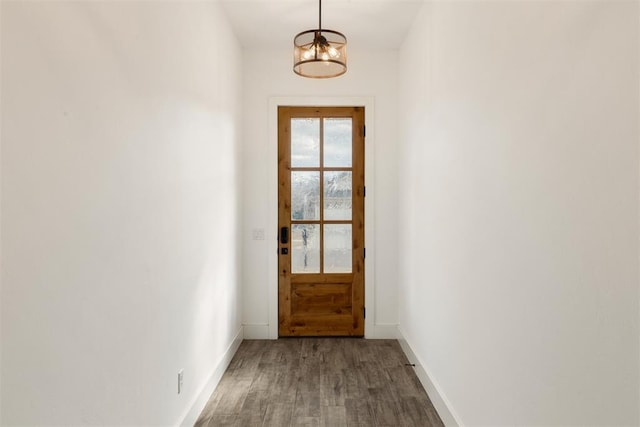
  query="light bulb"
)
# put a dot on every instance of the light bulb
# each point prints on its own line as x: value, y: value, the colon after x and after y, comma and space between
x: 333, y: 52
x: 308, y: 54
x: 325, y: 56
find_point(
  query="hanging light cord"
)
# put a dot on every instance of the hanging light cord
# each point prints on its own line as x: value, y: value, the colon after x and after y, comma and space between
x: 320, y: 15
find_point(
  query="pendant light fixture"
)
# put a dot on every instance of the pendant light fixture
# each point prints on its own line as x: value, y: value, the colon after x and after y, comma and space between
x: 320, y: 54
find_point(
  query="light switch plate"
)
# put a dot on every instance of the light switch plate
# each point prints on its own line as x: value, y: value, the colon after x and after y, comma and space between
x: 258, y: 234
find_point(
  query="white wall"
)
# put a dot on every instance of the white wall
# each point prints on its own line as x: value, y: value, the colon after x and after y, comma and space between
x: 1, y: 263
x: 519, y: 209
x: 269, y: 74
x: 120, y: 208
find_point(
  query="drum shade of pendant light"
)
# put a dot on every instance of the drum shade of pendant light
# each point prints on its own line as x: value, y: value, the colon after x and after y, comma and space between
x: 320, y: 54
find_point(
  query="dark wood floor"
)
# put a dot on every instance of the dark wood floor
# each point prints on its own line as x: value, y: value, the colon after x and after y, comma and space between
x: 319, y: 382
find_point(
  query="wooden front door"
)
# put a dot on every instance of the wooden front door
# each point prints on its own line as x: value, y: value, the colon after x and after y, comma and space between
x: 321, y: 221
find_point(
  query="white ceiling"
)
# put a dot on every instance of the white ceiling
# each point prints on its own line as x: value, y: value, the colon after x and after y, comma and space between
x: 377, y: 24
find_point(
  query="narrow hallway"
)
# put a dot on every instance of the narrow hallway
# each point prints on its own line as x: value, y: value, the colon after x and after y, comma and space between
x: 319, y: 382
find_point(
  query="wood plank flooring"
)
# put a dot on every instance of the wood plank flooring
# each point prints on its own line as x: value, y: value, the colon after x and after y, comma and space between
x: 319, y: 382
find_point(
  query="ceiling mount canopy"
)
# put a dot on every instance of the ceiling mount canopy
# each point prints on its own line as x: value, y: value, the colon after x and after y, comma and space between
x: 319, y: 53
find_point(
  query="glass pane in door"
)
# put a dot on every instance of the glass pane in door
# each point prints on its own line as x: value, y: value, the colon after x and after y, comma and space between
x: 305, y: 195
x: 305, y: 248
x: 305, y: 142
x: 337, y: 142
x: 337, y: 196
x: 337, y: 248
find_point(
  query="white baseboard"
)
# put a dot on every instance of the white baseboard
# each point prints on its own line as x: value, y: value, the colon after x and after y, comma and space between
x: 384, y: 331
x: 439, y: 400
x: 202, y: 397
x: 256, y: 331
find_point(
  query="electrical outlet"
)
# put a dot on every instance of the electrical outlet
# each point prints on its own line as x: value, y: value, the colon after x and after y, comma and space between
x: 180, y: 379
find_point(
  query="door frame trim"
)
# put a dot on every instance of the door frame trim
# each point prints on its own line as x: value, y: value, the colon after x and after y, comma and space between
x: 272, y: 217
